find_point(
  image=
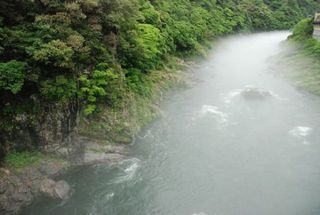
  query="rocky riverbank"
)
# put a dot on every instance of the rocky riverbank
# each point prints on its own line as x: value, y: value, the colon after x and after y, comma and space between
x: 103, y: 139
x: 20, y: 186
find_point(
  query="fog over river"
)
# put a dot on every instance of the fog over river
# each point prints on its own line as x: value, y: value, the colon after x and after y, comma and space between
x: 215, y: 151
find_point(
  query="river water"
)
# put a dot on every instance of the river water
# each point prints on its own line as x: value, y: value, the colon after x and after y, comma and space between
x: 214, y: 151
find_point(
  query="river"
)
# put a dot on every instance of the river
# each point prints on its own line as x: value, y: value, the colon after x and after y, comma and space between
x: 214, y: 151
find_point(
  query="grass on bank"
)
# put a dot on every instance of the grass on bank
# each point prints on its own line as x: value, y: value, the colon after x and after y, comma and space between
x: 18, y: 160
x: 23, y: 159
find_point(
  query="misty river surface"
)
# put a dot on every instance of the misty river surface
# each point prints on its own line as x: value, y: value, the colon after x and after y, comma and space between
x: 213, y: 151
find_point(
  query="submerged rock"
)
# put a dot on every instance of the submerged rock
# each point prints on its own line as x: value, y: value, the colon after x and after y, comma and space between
x: 255, y: 93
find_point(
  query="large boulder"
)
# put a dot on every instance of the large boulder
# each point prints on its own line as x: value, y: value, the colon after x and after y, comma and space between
x: 62, y: 190
x: 255, y: 93
x: 56, y: 190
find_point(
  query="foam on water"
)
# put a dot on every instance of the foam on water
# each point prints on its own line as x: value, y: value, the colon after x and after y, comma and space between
x: 231, y: 96
x: 300, y: 131
x: 211, y: 111
x: 130, y: 167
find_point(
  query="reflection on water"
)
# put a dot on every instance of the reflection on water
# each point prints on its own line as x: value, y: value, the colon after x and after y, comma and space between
x: 214, y: 151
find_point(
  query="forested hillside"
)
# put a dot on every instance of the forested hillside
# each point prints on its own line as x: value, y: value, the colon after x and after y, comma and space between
x: 65, y: 62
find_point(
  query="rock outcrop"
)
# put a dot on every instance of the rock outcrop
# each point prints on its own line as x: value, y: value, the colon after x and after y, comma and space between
x: 51, y: 128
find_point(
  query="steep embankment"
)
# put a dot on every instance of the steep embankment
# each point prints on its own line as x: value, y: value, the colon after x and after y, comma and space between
x: 302, y: 56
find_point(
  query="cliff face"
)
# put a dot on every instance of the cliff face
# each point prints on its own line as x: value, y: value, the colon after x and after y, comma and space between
x: 55, y: 125
x: 50, y: 129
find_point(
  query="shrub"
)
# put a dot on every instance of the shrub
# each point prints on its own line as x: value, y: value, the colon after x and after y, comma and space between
x: 303, y: 30
x: 60, y: 88
x: 12, y: 75
x: 95, y: 87
x: 56, y: 53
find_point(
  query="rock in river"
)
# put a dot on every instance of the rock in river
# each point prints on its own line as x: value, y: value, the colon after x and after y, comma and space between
x: 255, y: 93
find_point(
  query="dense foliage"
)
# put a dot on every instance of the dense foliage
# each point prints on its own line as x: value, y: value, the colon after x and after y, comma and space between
x: 94, y: 51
